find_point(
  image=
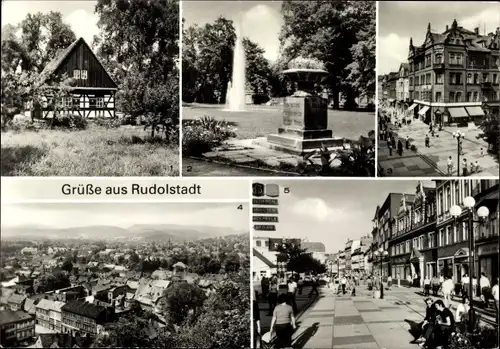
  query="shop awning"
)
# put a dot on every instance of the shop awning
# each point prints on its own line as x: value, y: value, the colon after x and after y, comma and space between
x: 475, y: 111
x: 412, y: 107
x: 423, y: 110
x: 458, y: 112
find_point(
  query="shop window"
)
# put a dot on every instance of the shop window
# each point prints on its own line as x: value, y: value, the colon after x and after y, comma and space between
x: 469, y: 97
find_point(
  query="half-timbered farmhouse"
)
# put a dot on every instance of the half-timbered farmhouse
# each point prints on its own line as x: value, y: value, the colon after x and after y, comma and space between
x: 93, y: 90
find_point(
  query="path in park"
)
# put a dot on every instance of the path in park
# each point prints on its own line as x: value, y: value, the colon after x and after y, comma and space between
x: 363, y: 322
x: 202, y: 168
x: 431, y: 161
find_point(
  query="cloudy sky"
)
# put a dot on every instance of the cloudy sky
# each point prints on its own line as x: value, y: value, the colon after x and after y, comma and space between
x: 260, y: 20
x: 125, y: 215
x: 399, y: 20
x: 332, y: 211
x: 78, y: 14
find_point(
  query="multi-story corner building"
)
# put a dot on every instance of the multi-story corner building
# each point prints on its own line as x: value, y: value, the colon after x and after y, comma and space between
x: 402, y: 88
x: 454, y: 75
x: 83, y: 318
x: 15, y: 327
x: 348, y: 255
x: 453, y: 233
x: 48, y: 314
x: 412, y: 246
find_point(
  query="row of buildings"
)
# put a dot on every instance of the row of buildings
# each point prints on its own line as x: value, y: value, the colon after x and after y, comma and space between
x: 452, y: 77
x: 87, y: 308
x: 415, y: 234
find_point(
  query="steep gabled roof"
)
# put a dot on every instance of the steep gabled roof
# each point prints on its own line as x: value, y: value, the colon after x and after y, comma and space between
x: 61, y: 56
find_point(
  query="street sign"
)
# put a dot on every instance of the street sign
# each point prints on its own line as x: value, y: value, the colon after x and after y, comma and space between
x: 269, y: 202
x: 265, y: 210
x: 270, y: 219
x: 264, y: 227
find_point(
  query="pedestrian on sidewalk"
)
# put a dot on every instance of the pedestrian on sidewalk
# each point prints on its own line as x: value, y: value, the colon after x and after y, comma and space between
x: 389, y: 282
x: 409, y: 280
x: 400, y: 147
x: 435, y: 284
x: 389, y: 144
x: 485, y: 285
x: 292, y: 289
x: 283, y: 323
x: 315, y: 284
x: 450, y: 166
x: 465, y: 285
x: 264, y: 284
x: 447, y: 288
x: 273, y: 294
x: 300, y: 285
x: 477, y: 168
x: 472, y: 168
x: 343, y: 282
x: 474, y: 287
x: 427, y: 141
x: 427, y: 286
x: 407, y: 142
x: 482, y: 152
x: 464, y: 167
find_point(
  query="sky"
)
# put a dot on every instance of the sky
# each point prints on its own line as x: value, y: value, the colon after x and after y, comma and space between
x: 400, y: 20
x: 332, y: 211
x: 78, y: 14
x: 124, y: 215
x: 260, y: 20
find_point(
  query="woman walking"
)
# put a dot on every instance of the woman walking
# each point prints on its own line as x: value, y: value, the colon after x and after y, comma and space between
x: 283, y: 323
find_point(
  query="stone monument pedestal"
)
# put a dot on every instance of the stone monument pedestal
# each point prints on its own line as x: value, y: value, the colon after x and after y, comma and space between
x: 305, y: 126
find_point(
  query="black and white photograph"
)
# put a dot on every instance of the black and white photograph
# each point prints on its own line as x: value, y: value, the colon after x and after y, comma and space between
x: 438, y: 89
x: 412, y: 264
x: 278, y: 88
x: 90, y: 88
x: 111, y: 275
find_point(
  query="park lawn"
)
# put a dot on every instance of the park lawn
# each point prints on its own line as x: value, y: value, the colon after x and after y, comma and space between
x: 96, y: 151
x: 261, y: 120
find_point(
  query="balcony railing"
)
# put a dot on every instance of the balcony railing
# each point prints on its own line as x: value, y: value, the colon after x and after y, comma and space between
x: 438, y: 66
x: 486, y: 85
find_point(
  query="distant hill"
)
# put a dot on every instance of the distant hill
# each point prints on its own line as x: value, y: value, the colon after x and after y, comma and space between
x: 142, y: 232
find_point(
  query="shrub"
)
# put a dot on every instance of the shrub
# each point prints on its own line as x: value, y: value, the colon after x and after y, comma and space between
x: 108, y: 122
x: 485, y: 338
x: 413, y: 147
x: 71, y: 121
x: 201, y: 136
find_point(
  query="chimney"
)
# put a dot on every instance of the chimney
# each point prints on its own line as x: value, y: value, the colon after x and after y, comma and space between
x: 447, y: 27
x: 476, y: 30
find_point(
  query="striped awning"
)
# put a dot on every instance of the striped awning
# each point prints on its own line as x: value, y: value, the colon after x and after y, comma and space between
x: 423, y: 110
x: 458, y: 112
x: 475, y: 111
x: 412, y: 107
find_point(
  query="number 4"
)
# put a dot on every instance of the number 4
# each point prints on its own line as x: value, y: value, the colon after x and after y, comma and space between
x: 240, y: 207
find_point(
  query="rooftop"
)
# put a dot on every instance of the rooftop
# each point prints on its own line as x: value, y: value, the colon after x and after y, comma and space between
x: 8, y: 316
x: 84, y: 309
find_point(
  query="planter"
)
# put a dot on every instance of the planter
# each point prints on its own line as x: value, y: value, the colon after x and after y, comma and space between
x: 305, y: 78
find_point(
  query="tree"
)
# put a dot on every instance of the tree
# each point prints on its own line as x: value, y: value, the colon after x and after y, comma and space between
x: 182, y: 300
x: 225, y: 319
x: 232, y: 262
x: 257, y: 68
x: 67, y: 265
x: 490, y: 127
x: 42, y: 36
x: 49, y: 282
x: 338, y: 34
x: 139, y: 40
x: 299, y: 260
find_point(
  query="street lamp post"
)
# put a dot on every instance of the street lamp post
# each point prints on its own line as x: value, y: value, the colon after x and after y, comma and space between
x: 482, y: 213
x: 459, y: 135
x: 381, y: 254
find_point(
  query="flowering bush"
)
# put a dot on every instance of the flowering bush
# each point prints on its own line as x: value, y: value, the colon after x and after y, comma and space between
x: 305, y: 63
x: 202, y: 135
x: 484, y: 338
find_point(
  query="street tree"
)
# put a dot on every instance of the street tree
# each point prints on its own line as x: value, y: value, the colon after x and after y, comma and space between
x: 183, y: 300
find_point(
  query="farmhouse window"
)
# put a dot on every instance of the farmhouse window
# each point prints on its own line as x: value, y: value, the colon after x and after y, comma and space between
x: 67, y: 102
x: 84, y: 75
x: 76, y: 74
x: 100, y: 102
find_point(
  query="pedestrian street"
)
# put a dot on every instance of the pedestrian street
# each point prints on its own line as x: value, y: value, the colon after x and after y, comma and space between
x: 433, y: 160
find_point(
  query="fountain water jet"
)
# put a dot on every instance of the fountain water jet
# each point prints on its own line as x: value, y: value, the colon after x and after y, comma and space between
x: 235, y: 98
